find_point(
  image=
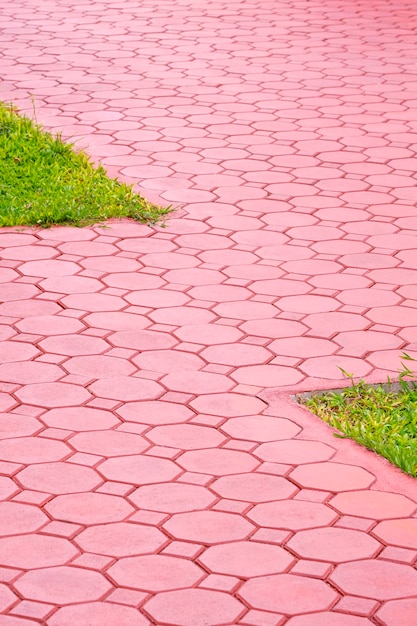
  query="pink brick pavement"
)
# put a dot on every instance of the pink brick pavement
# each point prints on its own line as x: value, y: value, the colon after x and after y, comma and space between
x: 154, y: 469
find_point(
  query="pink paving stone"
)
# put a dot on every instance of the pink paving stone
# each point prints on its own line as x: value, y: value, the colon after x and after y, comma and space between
x: 110, y: 264
x: 260, y: 428
x: 93, y: 302
x: 194, y: 277
x: 116, y: 321
x: 236, y: 354
x: 108, y: 443
x: 50, y: 325
x: 178, y: 316
x: 274, y: 328
x: 51, y: 395
x: 194, y: 607
x: 220, y: 293
x: 247, y: 310
x: 8, y: 488
x: 172, y: 497
x: 197, y: 382
x: 217, y: 462
x: 154, y: 412
x: 17, y: 291
x: 280, y: 287
x: 33, y: 551
x: 73, y: 345
x: 29, y: 308
x: 379, y: 505
x: 62, y: 585
x: 398, y: 612
x: 255, y: 487
x: 80, y: 418
x: 381, y: 580
x: 99, y: 366
x: 332, y: 476
x: 121, y: 539
x: 58, y: 478
x: 228, y: 405
x: 71, y: 284
x: 155, y: 573
x: 208, y: 527
x: 50, y: 268
x: 359, y: 343
x: 126, y: 388
x: 142, y: 340
x: 331, y: 367
x: 155, y: 298
x: 302, y: 347
x: 208, y: 334
x: 7, y: 598
x: 27, y: 372
x: 334, y: 545
x: 267, y: 375
x: 8, y: 239
x: 97, y: 614
x: 186, y: 436
x: 294, y: 451
x: 16, y: 518
x: 133, y: 281
x: 329, y: 619
x: 88, y: 508
x: 32, y: 450
x: 292, y: 514
x: 169, y: 260
x: 17, y: 425
x: 369, y: 297
x: 168, y: 361
x: 398, y: 532
x: 289, y: 594
x: 139, y: 470
x: 308, y: 304
x: 246, y: 559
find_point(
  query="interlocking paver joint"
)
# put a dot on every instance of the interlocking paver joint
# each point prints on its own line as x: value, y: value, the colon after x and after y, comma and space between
x: 154, y: 469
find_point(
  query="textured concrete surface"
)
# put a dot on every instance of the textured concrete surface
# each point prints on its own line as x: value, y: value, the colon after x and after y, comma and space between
x: 153, y: 467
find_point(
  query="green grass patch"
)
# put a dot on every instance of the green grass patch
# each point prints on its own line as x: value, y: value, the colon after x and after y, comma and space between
x: 44, y: 181
x: 383, y: 418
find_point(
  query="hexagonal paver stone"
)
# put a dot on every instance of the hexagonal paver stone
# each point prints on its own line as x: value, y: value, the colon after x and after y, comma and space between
x: 108, y: 443
x: 155, y: 573
x: 373, y: 504
x: 139, y: 470
x: 62, y: 585
x: 254, y: 487
x: 260, y: 428
x: 398, y: 532
x: 332, y: 476
x: 89, y: 508
x: 186, y: 436
x: 294, y: 451
x: 228, y: 404
x: 172, y: 497
x: 155, y: 412
x: 246, y: 559
x: 33, y: 551
x: 292, y: 514
x: 381, y: 580
x: 217, y: 461
x: 59, y: 478
x: 17, y: 518
x: 127, y: 388
x: 286, y: 593
x: 80, y: 418
x: 327, y: 618
x: 398, y: 612
x: 208, y: 527
x: 194, y: 607
x: 334, y: 544
x: 32, y: 450
x: 97, y: 614
x: 121, y: 539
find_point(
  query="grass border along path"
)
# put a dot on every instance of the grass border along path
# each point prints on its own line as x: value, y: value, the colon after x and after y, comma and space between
x: 44, y: 181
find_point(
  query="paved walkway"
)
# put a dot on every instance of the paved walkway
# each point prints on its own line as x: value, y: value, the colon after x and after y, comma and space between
x: 154, y: 469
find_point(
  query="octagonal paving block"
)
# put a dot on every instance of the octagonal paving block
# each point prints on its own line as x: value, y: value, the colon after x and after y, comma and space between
x: 121, y: 539
x: 172, y: 497
x: 186, y: 436
x: 62, y: 585
x: 377, y: 579
x: 217, y: 461
x: 254, y: 487
x: 32, y: 450
x: 155, y: 573
x: 194, y: 607
x: 53, y: 395
x: 58, y: 478
x: 246, y: 559
x: 228, y: 404
x: 294, y: 451
x: 139, y: 470
x: 292, y: 514
x: 97, y: 614
x: 7, y: 598
x: 332, y: 476
x: 99, y: 366
x: 398, y: 612
x: 25, y: 373
x: 289, y: 594
x: 80, y: 418
x: 260, y: 428
x: 327, y: 618
x: 373, y: 504
x: 126, y: 388
x: 155, y: 412
x: 18, y: 425
x: 17, y: 518
x: 398, y: 532
x: 89, y: 508
x: 334, y: 544
x: 34, y: 551
x: 208, y: 527
x: 108, y: 443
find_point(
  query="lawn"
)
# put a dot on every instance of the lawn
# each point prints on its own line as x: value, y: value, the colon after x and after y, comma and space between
x: 44, y: 181
x: 383, y: 418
